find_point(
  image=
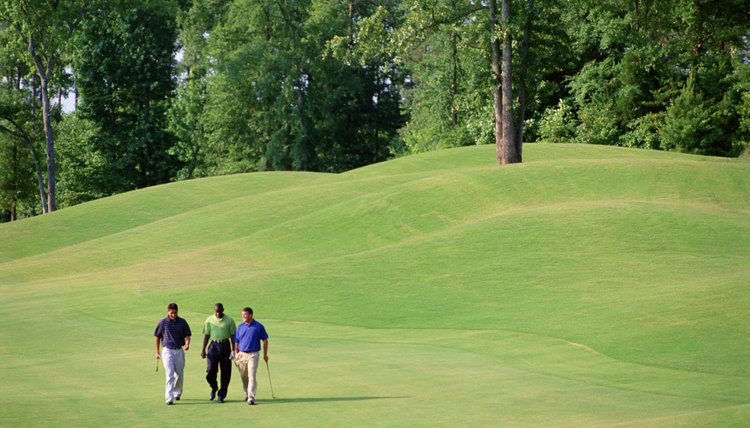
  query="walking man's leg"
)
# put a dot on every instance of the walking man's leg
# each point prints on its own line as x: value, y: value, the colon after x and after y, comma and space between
x: 252, y: 369
x: 242, y: 365
x: 225, y: 365
x: 169, y: 372
x: 179, y: 368
x: 212, y: 368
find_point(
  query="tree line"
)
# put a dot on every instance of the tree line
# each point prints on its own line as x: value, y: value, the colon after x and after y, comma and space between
x: 101, y: 97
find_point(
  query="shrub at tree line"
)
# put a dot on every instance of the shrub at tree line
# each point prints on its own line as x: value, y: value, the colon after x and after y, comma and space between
x: 175, y: 89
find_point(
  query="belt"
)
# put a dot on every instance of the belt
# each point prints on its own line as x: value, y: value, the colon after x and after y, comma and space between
x: 174, y: 349
x: 219, y: 341
x: 247, y: 352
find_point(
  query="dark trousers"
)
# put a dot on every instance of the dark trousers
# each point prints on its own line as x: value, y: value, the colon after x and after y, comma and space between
x: 218, y: 359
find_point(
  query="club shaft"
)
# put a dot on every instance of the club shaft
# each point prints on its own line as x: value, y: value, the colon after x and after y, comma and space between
x: 268, y: 369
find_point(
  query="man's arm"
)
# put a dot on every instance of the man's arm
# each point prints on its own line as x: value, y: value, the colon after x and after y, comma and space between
x: 236, y: 341
x: 158, y: 347
x: 233, y: 345
x: 265, y: 350
x: 187, y: 333
x: 203, y: 349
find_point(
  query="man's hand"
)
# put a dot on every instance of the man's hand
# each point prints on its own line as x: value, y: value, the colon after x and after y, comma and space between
x: 231, y: 355
x: 158, y: 357
x: 203, y: 354
x: 265, y: 357
x: 187, y: 346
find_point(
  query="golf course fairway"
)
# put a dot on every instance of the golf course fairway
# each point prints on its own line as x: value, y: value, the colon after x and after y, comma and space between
x: 587, y: 286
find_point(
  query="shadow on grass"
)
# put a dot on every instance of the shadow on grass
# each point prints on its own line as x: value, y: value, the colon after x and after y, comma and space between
x: 189, y: 401
x: 322, y: 399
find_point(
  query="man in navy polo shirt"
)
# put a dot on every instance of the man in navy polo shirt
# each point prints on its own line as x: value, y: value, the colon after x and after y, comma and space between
x: 173, y: 333
x: 247, y: 340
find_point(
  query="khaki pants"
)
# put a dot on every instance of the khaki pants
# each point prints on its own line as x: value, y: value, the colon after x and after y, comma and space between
x: 247, y: 362
x: 174, y: 365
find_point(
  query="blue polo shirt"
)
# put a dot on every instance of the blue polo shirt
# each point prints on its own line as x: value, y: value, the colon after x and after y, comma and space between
x: 248, y: 336
x: 172, y: 333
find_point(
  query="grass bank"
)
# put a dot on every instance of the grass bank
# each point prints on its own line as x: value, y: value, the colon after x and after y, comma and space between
x: 587, y: 286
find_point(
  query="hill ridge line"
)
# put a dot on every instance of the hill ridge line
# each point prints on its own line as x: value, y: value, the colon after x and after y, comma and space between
x: 420, y: 237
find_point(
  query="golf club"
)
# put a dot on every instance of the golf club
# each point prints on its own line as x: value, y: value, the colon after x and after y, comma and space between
x: 157, y: 365
x: 269, y: 380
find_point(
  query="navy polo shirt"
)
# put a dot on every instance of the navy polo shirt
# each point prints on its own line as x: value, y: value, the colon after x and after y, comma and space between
x: 248, y: 336
x: 172, y: 333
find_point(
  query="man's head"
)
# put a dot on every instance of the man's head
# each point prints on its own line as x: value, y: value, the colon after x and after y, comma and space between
x: 219, y: 310
x: 172, y: 311
x: 247, y: 315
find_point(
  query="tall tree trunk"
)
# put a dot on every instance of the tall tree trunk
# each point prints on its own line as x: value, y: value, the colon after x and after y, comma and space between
x: 510, y: 153
x: 33, y: 97
x: 523, y: 78
x: 14, y: 174
x: 193, y: 160
x: 43, y: 73
x: 497, y: 101
x: 39, y: 176
x: 50, y: 145
x: 454, y: 72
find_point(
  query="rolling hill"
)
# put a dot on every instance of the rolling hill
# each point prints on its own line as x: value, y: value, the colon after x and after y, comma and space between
x: 587, y: 286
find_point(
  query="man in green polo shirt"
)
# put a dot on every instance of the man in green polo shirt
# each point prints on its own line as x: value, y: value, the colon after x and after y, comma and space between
x: 219, y: 330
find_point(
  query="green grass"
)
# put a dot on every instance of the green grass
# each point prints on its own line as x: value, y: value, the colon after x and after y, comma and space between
x: 588, y: 286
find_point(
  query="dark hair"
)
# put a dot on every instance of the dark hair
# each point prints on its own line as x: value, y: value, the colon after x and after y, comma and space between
x: 247, y: 309
x: 219, y: 305
x: 172, y: 306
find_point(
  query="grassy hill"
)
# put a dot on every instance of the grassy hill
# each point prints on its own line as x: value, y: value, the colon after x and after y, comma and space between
x: 587, y: 286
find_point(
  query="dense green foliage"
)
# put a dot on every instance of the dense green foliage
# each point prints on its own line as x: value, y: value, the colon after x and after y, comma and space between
x: 124, y: 64
x: 19, y: 142
x: 270, y: 95
x: 660, y: 75
x: 169, y: 90
x: 602, y: 287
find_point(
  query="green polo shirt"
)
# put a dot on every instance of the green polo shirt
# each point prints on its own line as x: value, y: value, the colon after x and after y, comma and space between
x: 219, y: 328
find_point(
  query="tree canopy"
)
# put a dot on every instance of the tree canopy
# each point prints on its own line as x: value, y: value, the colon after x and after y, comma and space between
x: 162, y: 90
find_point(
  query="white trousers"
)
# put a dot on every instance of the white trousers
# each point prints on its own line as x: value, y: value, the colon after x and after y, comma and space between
x: 247, y: 362
x: 174, y: 366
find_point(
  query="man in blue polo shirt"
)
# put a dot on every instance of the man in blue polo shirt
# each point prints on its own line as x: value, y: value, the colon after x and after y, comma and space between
x: 173, y: 333
x: 247, y: 340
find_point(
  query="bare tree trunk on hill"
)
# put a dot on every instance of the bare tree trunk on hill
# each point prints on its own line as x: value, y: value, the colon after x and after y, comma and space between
x: 523, y: 77
x: 497, y: 101
x: 454, y: 72
x: 502, y: 92
x: 510, y: 154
